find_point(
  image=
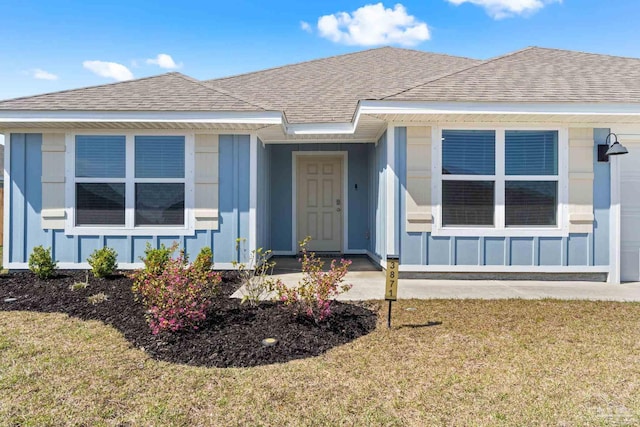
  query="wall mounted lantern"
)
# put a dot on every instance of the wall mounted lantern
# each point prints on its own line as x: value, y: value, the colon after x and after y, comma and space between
x: 605, y: 150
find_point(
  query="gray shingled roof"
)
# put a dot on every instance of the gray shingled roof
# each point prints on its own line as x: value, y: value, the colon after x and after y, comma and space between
x: 166, y: 92
x: 328, y: 89
x: 537, y: 75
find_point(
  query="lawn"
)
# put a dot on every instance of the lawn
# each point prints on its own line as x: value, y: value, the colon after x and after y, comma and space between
x: 446, y: 363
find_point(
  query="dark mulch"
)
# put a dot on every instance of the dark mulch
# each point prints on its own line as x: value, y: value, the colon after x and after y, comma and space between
x: 231, y: 335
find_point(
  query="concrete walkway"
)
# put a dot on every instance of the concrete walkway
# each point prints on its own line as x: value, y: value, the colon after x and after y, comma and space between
x: 369, y: 283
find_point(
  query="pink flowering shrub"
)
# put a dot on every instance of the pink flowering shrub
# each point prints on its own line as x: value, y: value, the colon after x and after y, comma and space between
x: 318, y: 289
x: 178, y: 295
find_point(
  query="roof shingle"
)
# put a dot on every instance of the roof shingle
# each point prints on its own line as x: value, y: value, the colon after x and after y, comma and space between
x: 166, y: 92
x: 537, y: 75
x: 328, y: 89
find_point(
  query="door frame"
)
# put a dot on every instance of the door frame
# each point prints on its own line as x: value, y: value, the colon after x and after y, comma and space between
x: 345, y: 194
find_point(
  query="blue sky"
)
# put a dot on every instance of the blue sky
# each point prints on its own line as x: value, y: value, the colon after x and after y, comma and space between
x: 48, y: 46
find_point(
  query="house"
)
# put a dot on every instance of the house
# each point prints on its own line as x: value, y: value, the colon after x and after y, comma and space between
x: 455, y: 165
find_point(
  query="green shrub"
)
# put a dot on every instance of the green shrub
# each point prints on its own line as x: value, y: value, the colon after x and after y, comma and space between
x: 155, y: 259
x: 204, y: 260
x: 41, y: 263
x: 103, y: 262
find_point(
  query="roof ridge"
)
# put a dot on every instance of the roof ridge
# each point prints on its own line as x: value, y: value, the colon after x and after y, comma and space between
x: 90, y: 87
x: 295, y: 63
x: 218, y: 90
x: 608, y: 55
x: 212, y: 81
x: 494, y: 59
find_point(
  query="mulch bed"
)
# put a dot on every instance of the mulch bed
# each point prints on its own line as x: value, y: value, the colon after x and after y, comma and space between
x: 230, y: 337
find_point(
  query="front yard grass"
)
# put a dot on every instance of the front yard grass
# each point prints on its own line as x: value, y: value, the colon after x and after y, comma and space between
x: 514, y: 362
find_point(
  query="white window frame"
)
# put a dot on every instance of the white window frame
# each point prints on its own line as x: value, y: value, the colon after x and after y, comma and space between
x: 499, y: 229
x: 129, y: 229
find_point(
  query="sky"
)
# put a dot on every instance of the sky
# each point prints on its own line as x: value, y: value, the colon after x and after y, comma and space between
x: 47, y: 46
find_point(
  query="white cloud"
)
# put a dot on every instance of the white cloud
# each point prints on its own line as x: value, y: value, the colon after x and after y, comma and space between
x: 111, y: 70
x: 40, y: 74
x: 305, y: 26
x: 164, y: 61
x: 373, y: 24
x: 499, y: 9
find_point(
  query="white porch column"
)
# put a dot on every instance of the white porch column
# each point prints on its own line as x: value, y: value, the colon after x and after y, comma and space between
x: 392, y: 180
x: 614, y: 222
x: 253, y: 192
x: 6, y: 201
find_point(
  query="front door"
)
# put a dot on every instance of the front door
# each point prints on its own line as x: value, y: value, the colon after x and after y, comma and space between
x: 319, y: 202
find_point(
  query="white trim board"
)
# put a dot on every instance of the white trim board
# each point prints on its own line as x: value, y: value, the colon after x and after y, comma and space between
x: 504, y: 268
x: 121, y: 266
x: 615, y: 222
x: 392, y: 184
x: 6, y: 199
x: 264, y: 118
x: 345, y: 195
x: 253, y: 192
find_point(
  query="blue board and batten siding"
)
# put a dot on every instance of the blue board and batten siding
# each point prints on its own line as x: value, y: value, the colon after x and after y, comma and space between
x: 25, y: 230
x: 368, y: 171
x: 588, y: 249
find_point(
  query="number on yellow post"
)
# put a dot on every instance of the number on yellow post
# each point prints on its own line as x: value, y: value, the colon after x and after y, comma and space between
x: 391, y: 292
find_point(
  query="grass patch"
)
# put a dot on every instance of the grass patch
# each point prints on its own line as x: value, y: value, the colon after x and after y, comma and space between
x: 446, y: 363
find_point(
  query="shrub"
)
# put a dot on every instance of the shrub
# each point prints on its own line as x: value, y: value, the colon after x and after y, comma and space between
x: 254, y: 275
x: 155, y: 259
x: 318, y: 289
x: 103, y: 262
x: 178, y: 295
x: 204, y: 260
x: 41, y: 263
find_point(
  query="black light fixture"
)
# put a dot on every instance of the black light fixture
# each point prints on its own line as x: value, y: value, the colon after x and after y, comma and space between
x: 605, y: 150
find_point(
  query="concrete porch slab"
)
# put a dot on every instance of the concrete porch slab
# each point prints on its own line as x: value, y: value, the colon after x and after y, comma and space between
x: 369, y: 283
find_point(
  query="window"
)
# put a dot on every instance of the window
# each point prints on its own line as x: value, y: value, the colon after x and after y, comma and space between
x: 468, y: 177
x: 498, y: 180
x: 129, y: 182
x: 159, y: 180
x: 100, y: 180
x: 531, y: 187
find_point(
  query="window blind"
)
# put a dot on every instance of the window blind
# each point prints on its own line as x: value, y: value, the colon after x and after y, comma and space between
x: 468, y: 152
x: 159, y: 157
x: 531, y: 152
x: 100, y: 156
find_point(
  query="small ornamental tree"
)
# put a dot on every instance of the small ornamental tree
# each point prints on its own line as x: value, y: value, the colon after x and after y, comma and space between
x: 177, y: 295
x: 254, y: 275
x: 318, y: 289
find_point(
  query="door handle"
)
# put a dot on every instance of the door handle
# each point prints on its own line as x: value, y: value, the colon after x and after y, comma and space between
x: 338, y: 210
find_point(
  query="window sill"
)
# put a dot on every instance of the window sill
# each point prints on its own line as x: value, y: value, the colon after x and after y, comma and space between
x: 503, y: 232
x: 122, y: 231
